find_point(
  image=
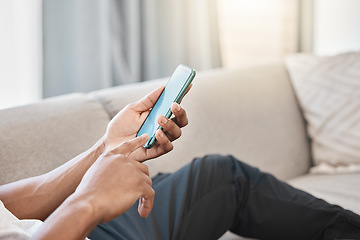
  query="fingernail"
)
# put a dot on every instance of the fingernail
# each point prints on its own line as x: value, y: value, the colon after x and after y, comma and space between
x: 161, y: 134
x: 177, y: 108
x: 143, y: 136
x: 163, y: 120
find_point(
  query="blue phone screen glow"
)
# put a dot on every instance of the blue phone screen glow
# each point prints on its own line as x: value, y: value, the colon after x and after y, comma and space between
x: 173, y: 88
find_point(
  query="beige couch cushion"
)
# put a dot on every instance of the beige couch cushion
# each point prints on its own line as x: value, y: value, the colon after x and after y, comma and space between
x: 37, y: 138
x: 238, y: 112
x: 340, y: 189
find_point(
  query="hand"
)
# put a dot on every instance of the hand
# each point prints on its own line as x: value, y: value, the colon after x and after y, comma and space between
x: 115, y: 181
x: 128, y: 121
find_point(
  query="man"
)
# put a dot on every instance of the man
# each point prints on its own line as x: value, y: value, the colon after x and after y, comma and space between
x: 95, y: 193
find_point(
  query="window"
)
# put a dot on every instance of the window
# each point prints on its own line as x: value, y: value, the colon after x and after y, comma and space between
x: 256, y: 31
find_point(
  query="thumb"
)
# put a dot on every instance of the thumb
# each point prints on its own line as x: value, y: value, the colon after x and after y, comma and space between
x: 130, y: 146
x: 148, y: 101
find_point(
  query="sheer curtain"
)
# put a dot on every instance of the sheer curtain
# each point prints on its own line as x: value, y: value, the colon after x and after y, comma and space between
x: 20, y: 48
x: 92, y: 44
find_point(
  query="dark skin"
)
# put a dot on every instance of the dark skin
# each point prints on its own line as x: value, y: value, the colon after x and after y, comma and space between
x: 101, y: 183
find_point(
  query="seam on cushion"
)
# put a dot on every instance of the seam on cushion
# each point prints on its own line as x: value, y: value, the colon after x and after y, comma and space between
x: 102, y: 103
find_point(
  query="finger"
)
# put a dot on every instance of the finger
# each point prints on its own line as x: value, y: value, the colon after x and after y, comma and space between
x: 148, y: 101
x: 144, y: 173
x: 172, y: 130
x: 129, y: 146
x: 164, y: 144
x: 181, y: 118
x: 146, y: 202
x: 142, y: 167
x: 187, y: 90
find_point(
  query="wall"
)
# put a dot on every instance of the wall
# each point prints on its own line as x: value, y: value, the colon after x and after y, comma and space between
x: 336, y: 26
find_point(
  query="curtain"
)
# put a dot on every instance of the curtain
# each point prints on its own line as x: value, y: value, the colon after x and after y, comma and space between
x: 94, y: 44
x: 21, y: 52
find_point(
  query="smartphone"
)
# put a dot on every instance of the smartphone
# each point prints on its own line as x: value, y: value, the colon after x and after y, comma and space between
x: 174, y: 91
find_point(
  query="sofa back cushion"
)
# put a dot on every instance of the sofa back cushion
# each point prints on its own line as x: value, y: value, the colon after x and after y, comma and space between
x: 249, y: 113
x: 37, y: 138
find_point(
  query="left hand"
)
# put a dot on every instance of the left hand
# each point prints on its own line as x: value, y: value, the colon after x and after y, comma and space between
x: 115, y: 181
x: 128, y: 121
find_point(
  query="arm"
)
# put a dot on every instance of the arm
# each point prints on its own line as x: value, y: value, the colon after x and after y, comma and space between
x: 39, y: 196
x: 111, y: 186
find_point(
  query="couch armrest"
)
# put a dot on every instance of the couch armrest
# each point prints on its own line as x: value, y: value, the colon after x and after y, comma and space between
x: 39, y: 137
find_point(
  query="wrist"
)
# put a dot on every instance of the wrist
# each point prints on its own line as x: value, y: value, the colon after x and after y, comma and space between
x: 107, y: 143
x: 75, y: 218
x: 99, y: 147
x: 87, y: 206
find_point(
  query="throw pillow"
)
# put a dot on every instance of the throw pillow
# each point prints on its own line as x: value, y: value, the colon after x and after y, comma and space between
x: 328, y: 91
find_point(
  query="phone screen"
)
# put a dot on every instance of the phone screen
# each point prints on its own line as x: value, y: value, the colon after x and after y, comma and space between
x: 173, y: 92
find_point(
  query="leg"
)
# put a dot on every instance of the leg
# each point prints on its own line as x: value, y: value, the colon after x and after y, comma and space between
x: 275, y: 210
x: 186, y: 202
x: 214, y: 194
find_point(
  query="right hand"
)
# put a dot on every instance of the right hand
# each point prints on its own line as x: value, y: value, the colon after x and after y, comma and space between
x: 125, y: 125
x: 115, y: 181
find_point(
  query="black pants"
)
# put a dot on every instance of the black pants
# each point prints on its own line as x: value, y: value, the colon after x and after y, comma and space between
x: 218, y: 193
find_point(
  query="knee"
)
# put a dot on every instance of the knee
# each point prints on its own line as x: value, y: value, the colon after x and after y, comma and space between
x: 221, y: 165
x: 221, y: 161
x: 228, y: 166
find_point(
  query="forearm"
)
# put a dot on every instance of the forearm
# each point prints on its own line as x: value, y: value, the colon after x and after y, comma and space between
x: 39, y: 196
x: 109, y: 188
x: 73, y: 219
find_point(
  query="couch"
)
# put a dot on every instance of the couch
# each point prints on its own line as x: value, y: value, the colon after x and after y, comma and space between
x: 250, y: 113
